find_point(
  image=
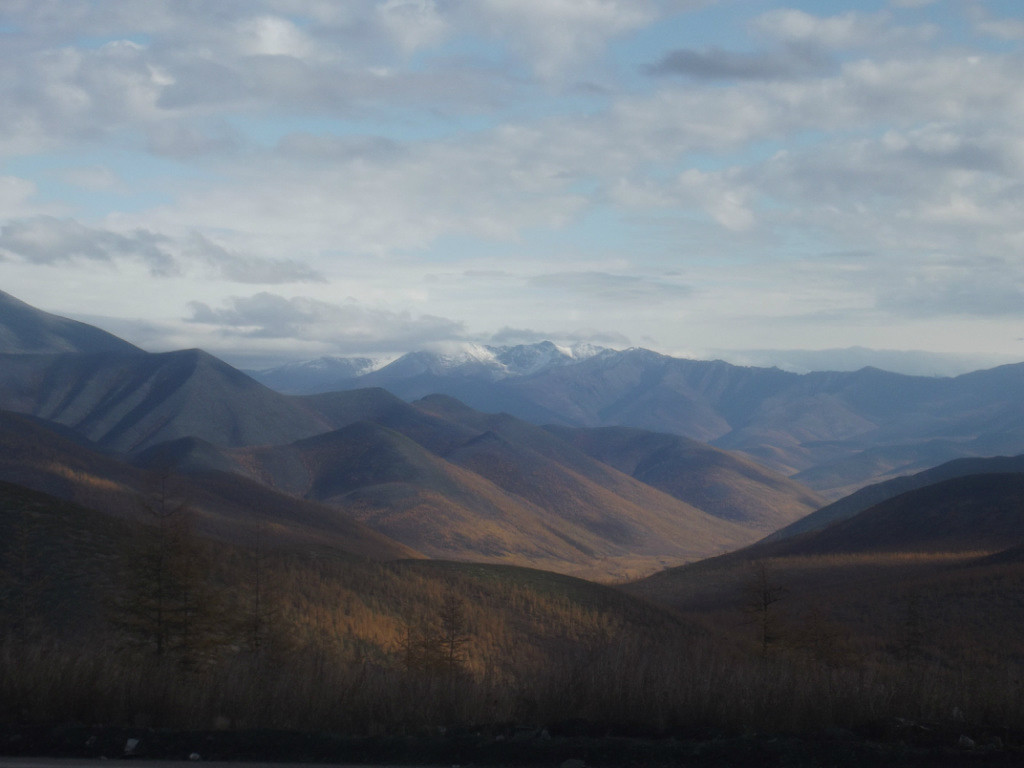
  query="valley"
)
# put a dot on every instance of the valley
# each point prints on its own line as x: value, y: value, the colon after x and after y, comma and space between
x: 182, y: 547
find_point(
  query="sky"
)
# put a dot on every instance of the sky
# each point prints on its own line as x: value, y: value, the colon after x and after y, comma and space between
x: 277, y: 180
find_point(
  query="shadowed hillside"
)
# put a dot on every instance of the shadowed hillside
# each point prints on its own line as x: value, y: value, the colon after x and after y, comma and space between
x: 128, y: 402
x: 492, y: 499
x: 224, y: 505
x: 945, y: 557
x: 25, y: 329
x: 867, y: 497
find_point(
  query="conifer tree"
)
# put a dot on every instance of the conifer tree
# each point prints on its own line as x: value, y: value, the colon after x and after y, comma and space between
x: 168, y: 605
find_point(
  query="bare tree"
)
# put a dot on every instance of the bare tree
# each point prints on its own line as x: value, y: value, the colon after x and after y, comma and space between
x: 761, y: 594
x: 168, y: 604
x: 454, y: 636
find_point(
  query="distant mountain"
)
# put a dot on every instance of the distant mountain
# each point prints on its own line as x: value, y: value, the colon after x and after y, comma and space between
x: 909, y: 362
x: 26, y: 330
x: 721, y: 483
x: 439, y: 476
x: 832, y: 431
x: 325, y: 374
x: 413, y: 371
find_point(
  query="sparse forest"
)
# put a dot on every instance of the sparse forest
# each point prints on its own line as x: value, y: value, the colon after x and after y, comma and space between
x: 194, y: 633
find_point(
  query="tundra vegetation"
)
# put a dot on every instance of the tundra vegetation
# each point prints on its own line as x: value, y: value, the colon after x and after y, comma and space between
x: 149, y: 624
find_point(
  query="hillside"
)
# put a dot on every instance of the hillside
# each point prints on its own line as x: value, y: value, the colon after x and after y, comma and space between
x: 946, y: 555
x: 226, y: 506
x: 281, y: 629
x: 454, y: 483
x: 722, y: 484
x: 130, y: 401
x: 871, y: 495
x: 27, y: 330
x: 438, y: 476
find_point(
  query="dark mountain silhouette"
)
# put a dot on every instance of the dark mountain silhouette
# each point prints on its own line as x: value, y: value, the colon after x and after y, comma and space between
x: 962, y: 514
x: 24, y: 329
x: 437, y: 475
x: 871, y: 495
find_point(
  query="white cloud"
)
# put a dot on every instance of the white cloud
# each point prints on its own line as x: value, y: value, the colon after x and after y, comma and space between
x: 413, y: 24
x: 49, y: 240
x: 848, y: 30
x: 616, y: 289
x: 558, y: 34
x: 272, y: 36
x: 398, y: 149
x: 350, y: 325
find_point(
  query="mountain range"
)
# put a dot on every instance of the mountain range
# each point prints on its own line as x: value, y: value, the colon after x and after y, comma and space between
x: 832, y: 431
x: 589, y: 492
x: 435, y: 477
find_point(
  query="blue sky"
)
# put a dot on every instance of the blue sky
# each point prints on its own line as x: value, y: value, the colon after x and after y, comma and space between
x: 752, y: 180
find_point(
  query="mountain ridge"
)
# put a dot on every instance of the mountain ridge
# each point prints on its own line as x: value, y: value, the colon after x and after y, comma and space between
x: 27, y: 330
x: 833, y: 431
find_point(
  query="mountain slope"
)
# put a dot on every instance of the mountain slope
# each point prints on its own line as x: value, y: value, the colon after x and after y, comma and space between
x: 26, y: 330
x: 933, y: 576
x: 962, y: 514
x: 833, y: 432
x: 720, y: 483
x: 490, y: 499
x: 225, y: 505
x: 877, y: 493
x: 127, y: 402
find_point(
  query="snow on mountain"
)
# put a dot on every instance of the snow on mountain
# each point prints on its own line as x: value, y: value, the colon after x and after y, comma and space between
x: 310, y: 376
x: 461, y: 359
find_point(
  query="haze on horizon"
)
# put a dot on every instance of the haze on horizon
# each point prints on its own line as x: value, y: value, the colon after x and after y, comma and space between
x: 284, y: 179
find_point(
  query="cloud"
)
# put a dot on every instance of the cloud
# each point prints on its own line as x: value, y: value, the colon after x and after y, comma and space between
x: 849, y: 30
x: 349, y: 326
x: 911, y: 3
x: 718, y: 64
x: 413, y: 24
x: 49, y: 240
x: 602, y: 286
x: 967, y: 287
x: 514, y: 336
x: 557, y: 35
x: 250, y: 269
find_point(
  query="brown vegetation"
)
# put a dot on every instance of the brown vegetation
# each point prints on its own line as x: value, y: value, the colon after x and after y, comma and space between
x: 318, y: 640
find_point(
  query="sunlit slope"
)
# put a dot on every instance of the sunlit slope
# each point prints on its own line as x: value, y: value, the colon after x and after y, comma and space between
x: 490, y: 501
x: 723, y: 484
x: 224, y: 505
